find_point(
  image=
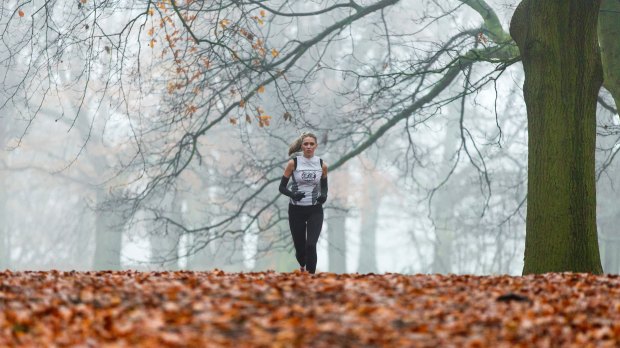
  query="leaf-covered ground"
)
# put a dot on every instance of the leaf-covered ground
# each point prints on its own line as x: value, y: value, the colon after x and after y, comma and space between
x: 198, y: 309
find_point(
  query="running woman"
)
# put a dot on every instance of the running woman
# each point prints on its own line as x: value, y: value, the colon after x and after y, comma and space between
x: 308, y: 192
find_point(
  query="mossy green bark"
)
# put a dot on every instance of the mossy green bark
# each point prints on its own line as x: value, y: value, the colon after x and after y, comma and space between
x: 609, y: 40
x: 563, y: 74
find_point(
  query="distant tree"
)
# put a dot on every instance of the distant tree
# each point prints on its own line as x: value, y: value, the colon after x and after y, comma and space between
x: 5, y: 252
x: 608, y: 169
x: 336, y: 221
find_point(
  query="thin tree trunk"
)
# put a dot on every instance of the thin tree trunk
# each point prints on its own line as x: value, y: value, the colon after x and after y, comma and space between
x: 368, y: 239
x: 563, y: 75
x: 228, y: 251
x: 5, y: 253
x: 336, y: 221
x: 271, y: 255
x: 165, y: 242
x: 442, y: 250
x: 610, y: 244
x: 164, y: 250
x: 336, y: 238
x: 108, y: 236
x: 5, y: 233
x: 202, y: 259
x: 443, y: 205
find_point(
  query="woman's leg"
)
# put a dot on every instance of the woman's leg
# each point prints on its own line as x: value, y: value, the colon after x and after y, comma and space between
x: 297, y: 223
x: 315, y: 224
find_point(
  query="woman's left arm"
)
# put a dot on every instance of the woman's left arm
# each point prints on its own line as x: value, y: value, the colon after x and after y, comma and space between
x: 323, y: 197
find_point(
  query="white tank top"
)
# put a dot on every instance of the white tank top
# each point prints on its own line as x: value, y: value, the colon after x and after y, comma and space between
x: 306, y: 178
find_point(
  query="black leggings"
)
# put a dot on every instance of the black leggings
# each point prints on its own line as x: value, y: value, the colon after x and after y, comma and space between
x: 304, y: 219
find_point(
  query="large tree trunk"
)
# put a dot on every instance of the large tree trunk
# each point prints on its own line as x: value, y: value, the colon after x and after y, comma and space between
x: 563, y: 75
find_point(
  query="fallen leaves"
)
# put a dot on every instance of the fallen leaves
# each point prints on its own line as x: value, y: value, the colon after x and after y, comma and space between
x: 174, y: 309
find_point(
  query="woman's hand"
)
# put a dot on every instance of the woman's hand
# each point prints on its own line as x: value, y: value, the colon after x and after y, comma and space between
x: 297, y: 196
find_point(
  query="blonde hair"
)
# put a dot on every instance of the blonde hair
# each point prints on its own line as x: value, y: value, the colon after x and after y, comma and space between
x: 296, y: 145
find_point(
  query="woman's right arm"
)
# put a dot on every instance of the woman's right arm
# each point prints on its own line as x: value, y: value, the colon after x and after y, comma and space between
x: 290, y: 166
x: 288, y: 171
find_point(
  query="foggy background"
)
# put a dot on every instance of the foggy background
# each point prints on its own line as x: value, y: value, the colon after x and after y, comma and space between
x: 101, y: 176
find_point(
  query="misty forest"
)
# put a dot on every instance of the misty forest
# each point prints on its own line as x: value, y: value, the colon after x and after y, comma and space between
x: 462, y: 136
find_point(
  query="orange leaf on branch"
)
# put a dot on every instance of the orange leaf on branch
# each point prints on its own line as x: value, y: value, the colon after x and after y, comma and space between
x: 224, y: 23
x: 264, y: 120
x: 171, y: 87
